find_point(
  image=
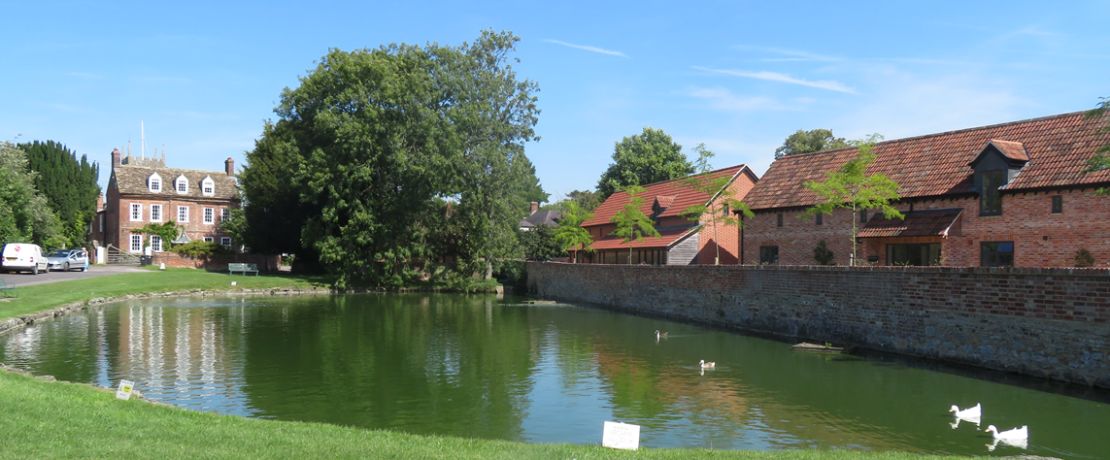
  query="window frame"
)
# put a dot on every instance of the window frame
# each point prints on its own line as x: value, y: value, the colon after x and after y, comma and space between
x: 182, y: 217
x: 1057, y: 204
x: 152, y: 180
x: 155, y: 243
x: 136, y: 212
x: 990, y: 197
x: 225, y: 214
x: 177, y: 184
x: 209, y: 239
x: 820, y: 220
x: 208, y: 215
x: 985, y: 254
x: 911, y: 247
x: 225, y: 241
x: 208, y: 187
x: 158, y: 217
x: 780, y: 220
x: 768, y: 254
x: 136, y: 240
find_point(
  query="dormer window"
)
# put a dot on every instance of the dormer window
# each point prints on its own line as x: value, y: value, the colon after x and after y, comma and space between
x: 208, y: 186
x: 995, y: 166
x: 181, y: 184
x: 154, y: 183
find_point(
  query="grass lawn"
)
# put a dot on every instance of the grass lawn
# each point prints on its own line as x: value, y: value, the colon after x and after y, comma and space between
x: 40, y: 419
x: 40, y: 297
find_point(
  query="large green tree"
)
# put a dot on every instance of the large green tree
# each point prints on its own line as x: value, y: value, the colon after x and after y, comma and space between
x: 851, y: 187
x: 648, y: 157
x: 350, y: 172
x: 814, y: 140
x: 69, y: 185
x: 25, y: 214
x: 1101, y: 160
x: 632, y: 224
x: 720, y: 210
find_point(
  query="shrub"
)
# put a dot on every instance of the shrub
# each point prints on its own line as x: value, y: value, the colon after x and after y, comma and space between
x: 1084, y: 259
x: 197, y: 248
x: 822, y: 254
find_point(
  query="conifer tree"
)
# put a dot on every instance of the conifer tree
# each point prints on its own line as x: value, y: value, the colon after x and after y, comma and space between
x: 68, y: 184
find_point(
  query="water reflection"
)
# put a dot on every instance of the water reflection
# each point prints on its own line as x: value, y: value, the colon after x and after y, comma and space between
x: 475, y: 366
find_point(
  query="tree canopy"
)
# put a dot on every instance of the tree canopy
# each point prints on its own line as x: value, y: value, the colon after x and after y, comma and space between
x: 570, y: 234
x: 648, y: 157
x: 25, y: 214
x: 351, y: 172
x: 814, y: 140
x: 68, y: 184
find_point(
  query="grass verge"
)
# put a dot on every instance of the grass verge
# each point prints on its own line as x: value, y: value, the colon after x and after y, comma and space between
x: 41, y: 419
x: 40, y: 297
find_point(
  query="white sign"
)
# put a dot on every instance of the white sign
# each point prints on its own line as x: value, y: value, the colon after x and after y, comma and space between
x: 124, y: 390
x: 621, y: 436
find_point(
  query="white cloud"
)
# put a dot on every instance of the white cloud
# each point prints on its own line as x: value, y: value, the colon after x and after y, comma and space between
x: 723, y: 99
x: 779, y: 77
x: 795, y: 55
x: 588, y: 48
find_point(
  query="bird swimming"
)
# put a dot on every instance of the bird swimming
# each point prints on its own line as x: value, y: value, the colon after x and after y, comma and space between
x: 975, y: 411
x: 1016, y: 434
x: 705, y: 365
x: 660, y: 335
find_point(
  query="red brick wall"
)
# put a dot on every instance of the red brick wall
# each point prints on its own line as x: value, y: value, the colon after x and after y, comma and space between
x: 1052, y: 323
x: 216, y: 262
x: 1041, y: 239
x: 120, y: 213
x: 724, y: 235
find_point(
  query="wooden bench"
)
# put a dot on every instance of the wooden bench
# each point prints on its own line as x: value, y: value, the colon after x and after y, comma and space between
x: 245, y: 268
x: 8, y: 291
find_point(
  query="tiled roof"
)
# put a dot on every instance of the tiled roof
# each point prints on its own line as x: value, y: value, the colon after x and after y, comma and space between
x: 1057, y: 148
x: 132, y: 180
x: 665, y: 239
x: 1012, y: 150
x: 549, y: 218
x: 683, y: 197
x: 920, y: 223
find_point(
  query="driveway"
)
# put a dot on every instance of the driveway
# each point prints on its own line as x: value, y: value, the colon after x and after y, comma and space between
x: 27, y: 279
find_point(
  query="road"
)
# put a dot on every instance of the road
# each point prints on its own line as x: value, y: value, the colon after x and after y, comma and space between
x: 27, y: 279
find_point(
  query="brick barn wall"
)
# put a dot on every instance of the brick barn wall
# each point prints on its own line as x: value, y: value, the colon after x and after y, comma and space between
x: 726, y: 236
x: 1051, y: 323
x: 1041, y: 239
x: 217, y: 262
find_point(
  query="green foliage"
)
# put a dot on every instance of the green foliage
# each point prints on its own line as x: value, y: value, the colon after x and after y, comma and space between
x: 570, y: 234
x: 722, y: 205
x: 540, y: 242
x: 25, y: 214
x: 852, y: 188
x: 814, y: 140
x: 168, y: 231
x: 586, y: 200
x: 632, y: 223
x: 1101, y: 160
x: 198, y: 248
x: 822, y: 254
x: 350, y: 173
x: 68, y: 184
x: 1084, y: 259
x: 236, y: 225
x: 646, y: 158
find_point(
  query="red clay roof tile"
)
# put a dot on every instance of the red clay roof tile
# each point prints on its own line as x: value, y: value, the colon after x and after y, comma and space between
x: 665, y: 239
x: 920, y: 223
x: 683, y: 197
x: 1057, y: 148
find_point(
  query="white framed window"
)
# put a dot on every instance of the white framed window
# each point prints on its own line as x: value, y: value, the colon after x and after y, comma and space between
x: 155, y: 243
x: 136, y: 242
x: 225, y: 214
x: 155, y: 213
x: 182, y: 213
x: 209, y: 216
x: 208, y: 186
x: 225, y: 241
x: 154, y: 183
x: 181, y: 184
x: 209, y: 239
x: 136, y: 212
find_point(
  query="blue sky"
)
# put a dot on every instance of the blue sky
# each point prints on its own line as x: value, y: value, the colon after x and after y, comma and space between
x: 738, y: 76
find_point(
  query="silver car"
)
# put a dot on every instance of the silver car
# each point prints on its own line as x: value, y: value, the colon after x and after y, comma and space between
x: 67, y: 259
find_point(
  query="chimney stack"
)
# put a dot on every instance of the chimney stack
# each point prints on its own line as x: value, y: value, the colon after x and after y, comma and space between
x: 229, y: 166
x: 115, y: 158
x: 535, y: 207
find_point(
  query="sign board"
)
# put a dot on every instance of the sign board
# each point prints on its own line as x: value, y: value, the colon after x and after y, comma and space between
x: 621, y: 436
x: 124, y: 390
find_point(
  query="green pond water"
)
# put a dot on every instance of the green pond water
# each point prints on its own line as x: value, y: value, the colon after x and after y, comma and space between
x: 482, y: 367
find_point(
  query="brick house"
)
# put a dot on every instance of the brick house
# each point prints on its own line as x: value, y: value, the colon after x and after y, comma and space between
x: 1007, y: 194
x: 678, y: 243
x: 144, y: 190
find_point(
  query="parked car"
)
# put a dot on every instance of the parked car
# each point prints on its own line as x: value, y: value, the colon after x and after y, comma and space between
x: 67, y: 259
x: 23, y: 257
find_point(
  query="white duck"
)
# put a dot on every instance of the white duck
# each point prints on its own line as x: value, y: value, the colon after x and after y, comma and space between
x: 975, y: 411
x: 705, y: 365
x: 1016, y: 434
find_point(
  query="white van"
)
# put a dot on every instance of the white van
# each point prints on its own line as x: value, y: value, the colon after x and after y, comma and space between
x: 19, y: 257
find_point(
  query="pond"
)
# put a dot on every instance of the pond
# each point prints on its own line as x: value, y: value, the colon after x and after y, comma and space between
x: 477, y: 366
